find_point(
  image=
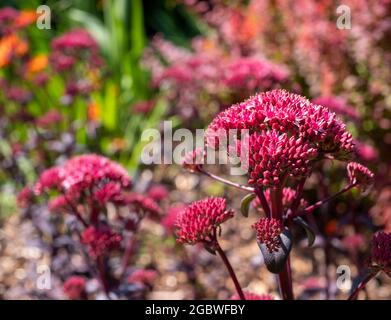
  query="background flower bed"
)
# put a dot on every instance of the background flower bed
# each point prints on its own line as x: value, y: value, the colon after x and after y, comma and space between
x: 138, y: 63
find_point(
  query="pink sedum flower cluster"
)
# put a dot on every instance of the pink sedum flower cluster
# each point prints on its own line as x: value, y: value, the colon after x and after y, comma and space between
x: 268, y: 231
x: 359, y: 175
x: 198, y: 222
x: 91, y: 176
x: 287, y: 132
x: 74, y: 287
x: 100, y: 240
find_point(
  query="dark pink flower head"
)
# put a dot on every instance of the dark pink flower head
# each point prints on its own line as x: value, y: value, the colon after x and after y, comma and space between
x: 170, y: 218
x: 338, y: 105
x: 158, y: 192
x: 75, y: 45
x: 50, y: 118
x: 290, y: 114
x: 143, y: 276
x: 253, y: 296
x: 18, y: 94
x: 275, y: 156
x: 85, y: 175
x: 25, y: 197
x: 268, y: 231
x: 288, y: 195
x: 143, y: 204
x: 360, y: 175
x: 100, y: 240
x: 381, y: 249
x: 353, y: 242
x: 74, y: 287
x: 366, y: 152
x: 77, y: 39
x: 252, y: 74
x: 194, y: 160
x: 7, y: 18
x: 198, y: 222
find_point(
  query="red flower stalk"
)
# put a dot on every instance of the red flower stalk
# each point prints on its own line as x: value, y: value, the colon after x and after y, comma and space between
x: 268, y: 231
x: 253, y: 296
x: 359, y: 175
x: 74, y: 288
x: 100, y: 240
x: 198, y: 222
x: 288, y: 197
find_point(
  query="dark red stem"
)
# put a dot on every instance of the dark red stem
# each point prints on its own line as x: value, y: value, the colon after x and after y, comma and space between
x: 230, y: 271
x: 362, y: 285
x: 263, y: 201
x: 227, y: 182
x: 284, y: 277
x: 328, y: 199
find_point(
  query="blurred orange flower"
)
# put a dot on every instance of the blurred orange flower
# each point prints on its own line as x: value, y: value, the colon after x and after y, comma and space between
x: 93, y: 111
x: 37, y: 63
x: 25, y: 18
x: 11, y: 45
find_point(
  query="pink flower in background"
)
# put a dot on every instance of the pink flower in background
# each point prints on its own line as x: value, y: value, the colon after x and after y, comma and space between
x: 253, y: 73
x: 142, y: 204
x: 339, y: 106
x: 143, y: 276
x: 169, y: 220
x: 198, y: 222
x: 253, y: 296
x: 100, y: 240
x: 158, y: 192
x: 25, y: 197
x: 366, y: 152
x: 74, y: 288
x: 50, y: 118
x: 77, y: 39
x: 85, y: 174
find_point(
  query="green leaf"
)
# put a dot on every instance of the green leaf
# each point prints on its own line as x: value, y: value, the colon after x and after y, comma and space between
x: 245, y: 204
x: 309, y: 231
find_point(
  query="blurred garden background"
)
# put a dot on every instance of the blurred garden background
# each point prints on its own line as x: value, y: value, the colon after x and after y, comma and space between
x: 104, y: 71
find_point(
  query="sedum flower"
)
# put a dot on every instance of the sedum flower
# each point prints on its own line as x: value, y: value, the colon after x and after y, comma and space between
x: 359, y: 175
x: 74, y: 288
x: 100, y: 240
x: 199, y: 221
x: 268, y: 231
